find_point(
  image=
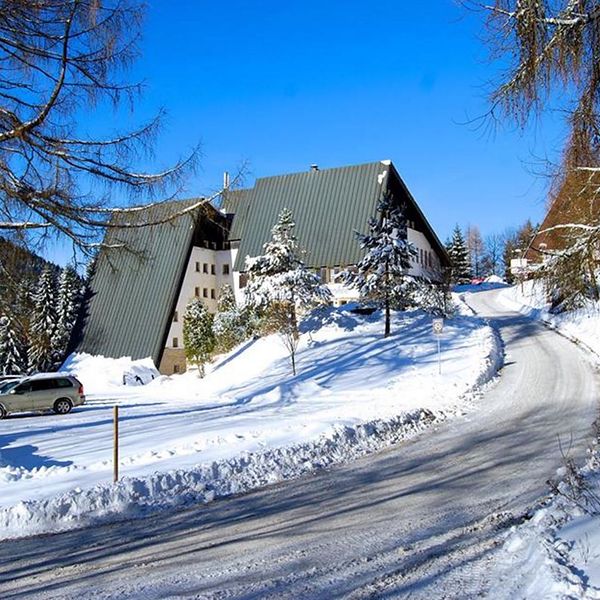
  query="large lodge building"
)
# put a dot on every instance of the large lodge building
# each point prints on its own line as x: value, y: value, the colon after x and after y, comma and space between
x: 138, y: 295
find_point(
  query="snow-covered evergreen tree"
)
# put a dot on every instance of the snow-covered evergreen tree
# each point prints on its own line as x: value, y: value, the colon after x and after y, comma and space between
x: 198, y: 337
x: 43, y: 323
x: 279, y: 275
x: 228, y: 326
x: 68, y: 304
x: 12, y: 351
x: 278, y: 281
x: 383, y: 271
x: 460, y: 261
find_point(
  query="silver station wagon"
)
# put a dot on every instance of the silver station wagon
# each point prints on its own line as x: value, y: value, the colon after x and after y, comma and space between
x: 44, y: 391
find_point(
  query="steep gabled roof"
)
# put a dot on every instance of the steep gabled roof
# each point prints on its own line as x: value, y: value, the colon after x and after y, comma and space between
x: 328, y: 206
x: 577, y: 201
x: 134, y: 290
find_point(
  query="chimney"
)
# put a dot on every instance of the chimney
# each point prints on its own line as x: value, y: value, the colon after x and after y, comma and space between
x: 314, y: 167
x: 226, y: 180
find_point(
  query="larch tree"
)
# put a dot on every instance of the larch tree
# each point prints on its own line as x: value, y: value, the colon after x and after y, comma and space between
x: 552, y: 49
x: 280, y: 284
x: 198, y: 336
x: 61, y: 59
x: 382, y: 274
x: 476, y: 249
x: 460, y: 262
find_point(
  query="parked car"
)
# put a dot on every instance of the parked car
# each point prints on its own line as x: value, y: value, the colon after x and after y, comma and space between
x: 44, y: 391
x: 6, y: 378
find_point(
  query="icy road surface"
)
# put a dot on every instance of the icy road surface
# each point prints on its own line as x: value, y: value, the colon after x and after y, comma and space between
x: 421, y: 519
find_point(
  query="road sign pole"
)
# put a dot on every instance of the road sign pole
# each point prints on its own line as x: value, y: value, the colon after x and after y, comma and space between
x: 438, y: 328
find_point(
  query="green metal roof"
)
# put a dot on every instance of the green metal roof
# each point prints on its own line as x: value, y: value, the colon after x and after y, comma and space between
x: 134, y: 290
x: 328, y: 206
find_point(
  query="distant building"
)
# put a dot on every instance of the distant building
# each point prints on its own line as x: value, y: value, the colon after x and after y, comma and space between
x: 139, y: 294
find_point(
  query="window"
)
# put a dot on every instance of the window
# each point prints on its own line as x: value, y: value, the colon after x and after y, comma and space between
x: 175, y: 368
x: 212, y: 270
x: 212, y: 294
x: 205, y: 268
x: 175, y: 317
x: 197, y: 292
x: 175, y: 342
x: 63, y: 383
x: 197, y: 267
x: 39, y: 385
x: 243, y: 280
x: 205, y: 293
x: 225, y: 269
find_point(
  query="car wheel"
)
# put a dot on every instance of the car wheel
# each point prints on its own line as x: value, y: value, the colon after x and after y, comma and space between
x: 63, y: 406
x: 2, y: 412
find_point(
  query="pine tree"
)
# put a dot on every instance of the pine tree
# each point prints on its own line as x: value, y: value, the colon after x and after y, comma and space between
x: 228, y: 325
x: 459, y: 258
x: 280, y: 284
x: 198, y: 337
x: 383, y: 271
x: 68, y: 305
x: 43, y: 323
x: 12, y: 351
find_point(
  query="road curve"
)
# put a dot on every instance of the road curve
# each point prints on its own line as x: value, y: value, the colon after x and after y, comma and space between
x: 417, y: 520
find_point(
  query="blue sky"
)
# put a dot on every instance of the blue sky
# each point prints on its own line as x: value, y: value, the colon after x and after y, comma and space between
x: 283, y: 85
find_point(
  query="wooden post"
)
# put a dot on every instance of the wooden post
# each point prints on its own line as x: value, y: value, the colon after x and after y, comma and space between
x: 116, y: 444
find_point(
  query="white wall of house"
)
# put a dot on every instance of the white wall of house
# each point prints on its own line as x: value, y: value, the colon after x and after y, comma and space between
x: 207, y: 271
x: 426, y: 263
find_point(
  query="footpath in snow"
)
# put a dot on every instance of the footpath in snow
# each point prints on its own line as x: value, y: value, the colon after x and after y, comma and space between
x: 247, y: 424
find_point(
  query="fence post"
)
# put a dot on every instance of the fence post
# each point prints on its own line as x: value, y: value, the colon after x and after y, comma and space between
x: 116, y: 444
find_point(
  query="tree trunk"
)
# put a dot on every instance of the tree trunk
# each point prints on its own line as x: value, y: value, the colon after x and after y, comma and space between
x: 387, y: 316
x: 293, y: 357
x: 387, y: 302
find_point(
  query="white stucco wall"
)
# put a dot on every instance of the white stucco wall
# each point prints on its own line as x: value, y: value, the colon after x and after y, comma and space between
x: 203, y: 281
x: 426, y: 263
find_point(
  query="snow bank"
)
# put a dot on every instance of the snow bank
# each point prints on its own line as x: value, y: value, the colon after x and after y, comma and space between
x: 100, y: 374
x: 136, y: 497
x: 556, y: 552
x: 581, y: 326
x: 246, y: 425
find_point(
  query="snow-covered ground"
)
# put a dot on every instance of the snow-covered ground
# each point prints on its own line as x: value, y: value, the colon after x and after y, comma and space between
x: 249, y: 423
x: 556, y: 553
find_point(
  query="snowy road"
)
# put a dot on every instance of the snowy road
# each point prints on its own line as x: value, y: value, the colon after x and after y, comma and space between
x: 418, y: 520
